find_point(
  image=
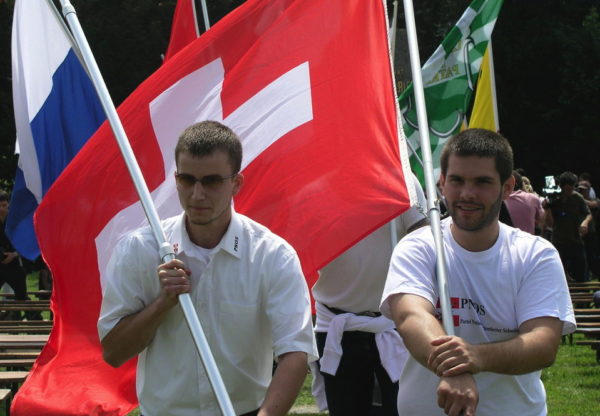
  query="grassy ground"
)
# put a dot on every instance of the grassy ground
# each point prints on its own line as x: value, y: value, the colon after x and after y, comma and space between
x: 573, y: 382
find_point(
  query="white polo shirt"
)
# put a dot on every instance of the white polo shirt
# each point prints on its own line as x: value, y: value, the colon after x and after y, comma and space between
x: 252, y: 301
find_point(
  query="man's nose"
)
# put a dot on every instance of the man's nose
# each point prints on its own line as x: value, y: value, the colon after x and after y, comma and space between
x: 468, y: 191
x: 198, y: 192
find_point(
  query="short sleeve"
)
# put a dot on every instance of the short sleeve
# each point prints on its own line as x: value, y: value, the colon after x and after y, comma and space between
x: 412, y: 270
x: 288, y: 306
x: 130, y: 272
x: 544, y: 291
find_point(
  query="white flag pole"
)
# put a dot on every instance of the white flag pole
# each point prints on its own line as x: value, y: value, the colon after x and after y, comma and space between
x: 68, y: 34
x: 205, y: 15
x: 392, y: 30
x: 195, y: 17
x: 432, y: 201
x: 165, y: 249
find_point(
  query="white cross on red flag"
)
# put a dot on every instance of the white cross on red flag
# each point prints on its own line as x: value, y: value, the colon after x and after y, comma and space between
x: 308, y: 87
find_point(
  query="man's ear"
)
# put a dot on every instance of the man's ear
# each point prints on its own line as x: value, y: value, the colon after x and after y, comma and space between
x: 238, y: 181
x: 508, y: 187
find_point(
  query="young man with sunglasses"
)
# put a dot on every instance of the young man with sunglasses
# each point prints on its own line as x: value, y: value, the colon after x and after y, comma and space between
x: 508, y: 294
x: 245, y: 282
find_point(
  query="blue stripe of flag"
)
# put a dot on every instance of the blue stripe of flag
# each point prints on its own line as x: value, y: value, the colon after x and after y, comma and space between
x: 67, y: 119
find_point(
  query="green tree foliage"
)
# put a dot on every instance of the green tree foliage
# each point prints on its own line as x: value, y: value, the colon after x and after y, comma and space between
x: 127, y: 37
x: 546, y: 56
x: 8, y: 161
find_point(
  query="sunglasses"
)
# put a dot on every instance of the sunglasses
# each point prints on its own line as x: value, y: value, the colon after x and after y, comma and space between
x: 208, y: 182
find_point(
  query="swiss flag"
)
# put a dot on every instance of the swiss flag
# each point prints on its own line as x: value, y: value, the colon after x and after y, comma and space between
x: 308, y: 87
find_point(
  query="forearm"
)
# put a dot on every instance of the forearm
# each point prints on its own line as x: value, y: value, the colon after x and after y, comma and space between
x: 523, y: 354
x: 132, y: 334
x: 416, y: 323
x: 534, y: 348
x: 285, y: 385
x: 586, y: 221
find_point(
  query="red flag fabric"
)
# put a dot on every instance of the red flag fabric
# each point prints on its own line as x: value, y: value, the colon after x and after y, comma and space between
x: 184, y: 29
x: 308, y: 87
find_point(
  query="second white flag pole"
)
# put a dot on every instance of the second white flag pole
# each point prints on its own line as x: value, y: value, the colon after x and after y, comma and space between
x: 433, y: 207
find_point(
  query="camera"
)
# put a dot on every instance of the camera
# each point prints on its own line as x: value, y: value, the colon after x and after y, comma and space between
x: 550, y: 188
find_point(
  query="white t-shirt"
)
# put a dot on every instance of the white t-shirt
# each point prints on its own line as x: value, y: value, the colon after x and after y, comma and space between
x: 492, y: 293
x: 252, y: 301
x: 354, y: 281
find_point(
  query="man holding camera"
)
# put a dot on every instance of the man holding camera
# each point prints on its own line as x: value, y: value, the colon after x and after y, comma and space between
x: 570, y: 218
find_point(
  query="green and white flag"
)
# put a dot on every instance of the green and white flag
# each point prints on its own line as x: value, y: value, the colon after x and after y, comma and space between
x: 449, y: 78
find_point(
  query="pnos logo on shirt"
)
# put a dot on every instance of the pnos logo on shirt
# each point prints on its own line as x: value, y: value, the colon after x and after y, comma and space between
x: 462, y: 303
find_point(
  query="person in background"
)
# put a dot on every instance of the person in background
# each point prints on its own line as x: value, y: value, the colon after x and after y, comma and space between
x: 11, y: 270
x: 590, y: 240
x: 525, y: 209
x: 569, y: 216
x: 527, y: 186
x: 356, y: 344
x: 587, y: 177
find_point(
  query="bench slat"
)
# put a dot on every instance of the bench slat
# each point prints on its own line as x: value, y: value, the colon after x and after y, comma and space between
x: 5, y: 394
x: 7, y: 377
x: 17, y: 362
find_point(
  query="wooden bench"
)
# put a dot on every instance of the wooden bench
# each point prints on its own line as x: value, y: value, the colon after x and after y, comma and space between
x: 19, y: 354
x: 582, y: 300
x: 7, y: 377
x: 582, y: 295
x: 32, y: 309
x: 17, y: 362
x: 586, y: 311
x: 12, y: 379
x: 25, y: 329
x: 592, y: 317
x: 37, y: 293
x: 7, y: 303
x: 5, y: 397
x: 595, y: 324
x: 43, y: 322
x: 24, y: 305
x: 11, y: 341
x: 584, y: 285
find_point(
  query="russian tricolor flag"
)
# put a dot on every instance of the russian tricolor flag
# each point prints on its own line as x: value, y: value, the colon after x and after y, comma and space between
x: 56, y: 111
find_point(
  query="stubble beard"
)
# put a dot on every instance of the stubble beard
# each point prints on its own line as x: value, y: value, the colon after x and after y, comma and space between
x: 487, y: 219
